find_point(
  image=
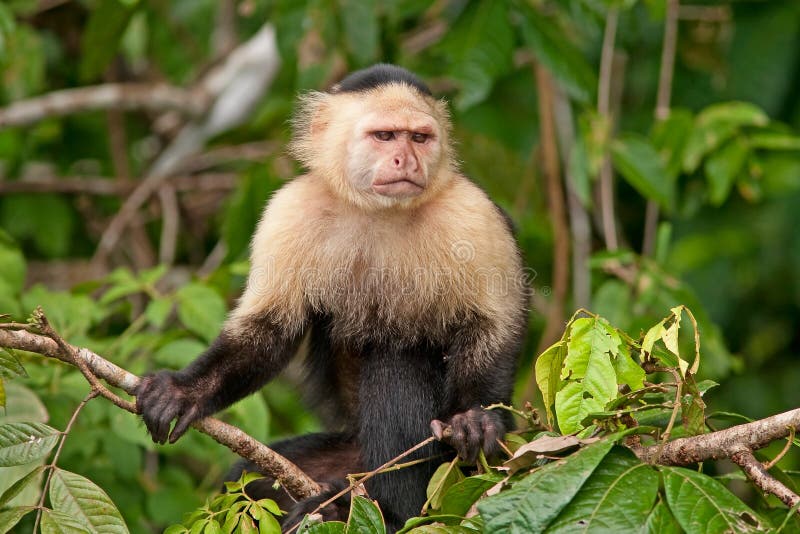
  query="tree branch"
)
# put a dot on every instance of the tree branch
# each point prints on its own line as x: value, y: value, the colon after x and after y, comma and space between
x: 156, y: 97
x: 101, y: 186
x: 723, y: 443
x: 295, y: 481
x: 756, y: 472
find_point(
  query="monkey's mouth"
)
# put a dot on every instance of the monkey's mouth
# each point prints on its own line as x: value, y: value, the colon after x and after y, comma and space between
x: 397, y: 187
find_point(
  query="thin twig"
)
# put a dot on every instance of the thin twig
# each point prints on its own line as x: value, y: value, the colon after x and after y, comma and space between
x: 170, y: 223
x: 663, y: 97
x: 52, y: 466
x: 555, y: 198
x: 789, y: 442
x: 368, y: 476
x: 604, y: 109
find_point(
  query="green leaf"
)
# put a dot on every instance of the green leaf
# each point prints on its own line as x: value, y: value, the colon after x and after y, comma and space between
x: 535, y: 501
x: 591, y: 375
x: 550, y: 43
x: 201, y: 310
x: 460, y: 497
x: 20, y: 485
x: 53, y: 212
x: 82, y: 499
x: 774, y: 141
x: 54, y: 522
x: 704, y: 506
x: 445, y: 476
x: 548, y: 374
x: 715, y: 125
x: 641, y: 166
x: 10, y: 366
x: 669, y: 138
x: 617, y: 497
x: 628, y: 371
x: 361, y: 29
x: 101, y: 39
x: 661, y: 521
x: 9, y: 518
x: 653, y: 335
x: 480, y: 42
x: 157, y: 312
x: 365, y: 516
x: 12, y: 265
x: 722, y: 168
x: 22, y: 443
x: 328, y: 527
x: 179, y: 353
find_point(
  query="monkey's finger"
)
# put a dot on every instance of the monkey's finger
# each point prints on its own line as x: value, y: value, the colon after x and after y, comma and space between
x: 162, y: 422
x: 441, y: 430
x: 186, y: 419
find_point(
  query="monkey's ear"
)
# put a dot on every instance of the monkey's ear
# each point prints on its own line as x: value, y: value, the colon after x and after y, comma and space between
x: 311, y: 120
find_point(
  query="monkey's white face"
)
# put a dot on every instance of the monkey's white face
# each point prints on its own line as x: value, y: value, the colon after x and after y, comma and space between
x: 394, y: 153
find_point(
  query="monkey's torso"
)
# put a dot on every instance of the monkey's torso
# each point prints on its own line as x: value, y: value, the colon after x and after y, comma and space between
x: 414, y: 280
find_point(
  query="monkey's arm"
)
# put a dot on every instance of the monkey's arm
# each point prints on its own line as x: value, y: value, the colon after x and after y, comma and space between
x: 481, y: 363
x: 236, y: 364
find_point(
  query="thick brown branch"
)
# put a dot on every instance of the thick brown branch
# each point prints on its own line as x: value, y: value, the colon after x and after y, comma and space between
x: 156, y: 97
x: 297, y: 483
x: 723, y: 443
x: 756, y: 472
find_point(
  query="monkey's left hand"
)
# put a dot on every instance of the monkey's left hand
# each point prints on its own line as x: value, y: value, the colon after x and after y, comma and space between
x: 472, y: 431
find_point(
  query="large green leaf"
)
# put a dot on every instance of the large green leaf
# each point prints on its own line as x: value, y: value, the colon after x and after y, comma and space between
x: 365, y: 516
x: 588, y: 367
x: 535, y: 501
x: 704, y: 506
x: 723, y: 166
x: 480, y: 44
x: 22, y: 443
x: 554, y: 49
x: 548, y: 374
x: 79, y: 497
x: 617, y: 497
x: 641, y: 166
x: 201, y: 310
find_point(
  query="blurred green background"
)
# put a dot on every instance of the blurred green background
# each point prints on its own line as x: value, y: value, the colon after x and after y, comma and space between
x: 722, y: 163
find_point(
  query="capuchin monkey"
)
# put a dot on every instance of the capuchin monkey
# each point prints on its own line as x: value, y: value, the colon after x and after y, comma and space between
x: 399, y: 278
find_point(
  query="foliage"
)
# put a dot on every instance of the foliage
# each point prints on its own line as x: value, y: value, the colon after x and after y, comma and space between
x: 723, y: 166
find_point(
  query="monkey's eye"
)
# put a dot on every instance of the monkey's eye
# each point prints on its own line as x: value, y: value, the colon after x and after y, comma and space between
x: 419, y: 137
x: 383, y: 136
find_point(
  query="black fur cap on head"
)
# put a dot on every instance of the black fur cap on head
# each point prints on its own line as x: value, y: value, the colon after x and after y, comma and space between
x: 378, y: 75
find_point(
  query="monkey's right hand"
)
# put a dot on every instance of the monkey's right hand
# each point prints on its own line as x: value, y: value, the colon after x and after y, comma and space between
x: 160, y: 398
